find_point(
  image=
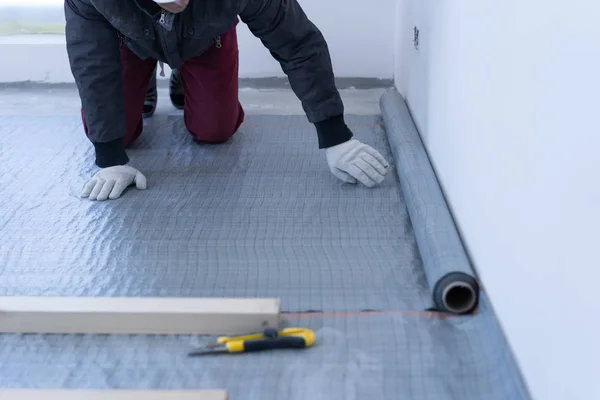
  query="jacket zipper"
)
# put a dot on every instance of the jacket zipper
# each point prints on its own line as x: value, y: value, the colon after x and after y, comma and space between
x: 163, y: 42
x: 217, y: 39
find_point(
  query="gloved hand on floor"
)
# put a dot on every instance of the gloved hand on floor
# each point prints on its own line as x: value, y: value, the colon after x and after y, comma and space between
x: 354, y: 161
x: 109, y: 183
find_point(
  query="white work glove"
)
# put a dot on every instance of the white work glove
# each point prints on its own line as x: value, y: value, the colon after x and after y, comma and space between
x: 109, y: 183
x: 354, y: 161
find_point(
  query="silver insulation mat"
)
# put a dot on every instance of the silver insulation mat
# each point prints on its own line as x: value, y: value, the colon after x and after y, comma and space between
x: 258, y: 216
x: 261, y: 216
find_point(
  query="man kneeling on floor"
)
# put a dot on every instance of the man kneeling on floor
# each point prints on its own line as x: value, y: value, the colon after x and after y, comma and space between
x: 114, y: 48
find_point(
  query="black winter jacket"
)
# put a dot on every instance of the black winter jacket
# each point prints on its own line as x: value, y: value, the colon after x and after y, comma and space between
x: 95, y: 27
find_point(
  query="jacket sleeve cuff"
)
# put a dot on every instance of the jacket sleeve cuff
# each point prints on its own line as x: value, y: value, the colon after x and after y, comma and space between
x: 111, y: 153
x: 333, y: 131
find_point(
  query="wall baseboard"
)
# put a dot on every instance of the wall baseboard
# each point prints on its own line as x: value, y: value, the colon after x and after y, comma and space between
x: 267, y: 83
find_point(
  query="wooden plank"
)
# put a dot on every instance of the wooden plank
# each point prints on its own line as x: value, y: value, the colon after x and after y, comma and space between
x: 137, y: 315
x: 52, y: 394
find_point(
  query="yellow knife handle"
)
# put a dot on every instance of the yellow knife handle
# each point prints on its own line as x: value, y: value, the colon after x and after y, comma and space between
x: 307, y: 334
x: 227, y: 339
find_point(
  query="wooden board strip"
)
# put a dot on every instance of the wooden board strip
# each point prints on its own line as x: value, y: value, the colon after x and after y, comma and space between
x: 33, y: 394
x: 137, y: 315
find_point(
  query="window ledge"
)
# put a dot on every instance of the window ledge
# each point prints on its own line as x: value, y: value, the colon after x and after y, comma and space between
x: 54, y: 39
x: 35, y: 58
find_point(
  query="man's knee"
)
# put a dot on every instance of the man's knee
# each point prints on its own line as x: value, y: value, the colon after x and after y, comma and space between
x: 212, y: 137
x: 218, y: 129
x: 210, y: 133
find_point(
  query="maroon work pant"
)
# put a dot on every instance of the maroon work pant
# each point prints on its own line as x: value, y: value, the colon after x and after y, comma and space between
x: 212, y: 111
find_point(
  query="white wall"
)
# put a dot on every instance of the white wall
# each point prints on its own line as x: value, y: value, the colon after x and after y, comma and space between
x: 506, y: 97
x: 361, y: 46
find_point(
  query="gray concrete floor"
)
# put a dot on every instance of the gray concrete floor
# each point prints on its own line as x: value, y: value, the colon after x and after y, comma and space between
x: 48, y: 100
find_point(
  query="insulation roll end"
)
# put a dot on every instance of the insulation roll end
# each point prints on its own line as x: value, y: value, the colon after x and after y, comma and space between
x: 456, y: 293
